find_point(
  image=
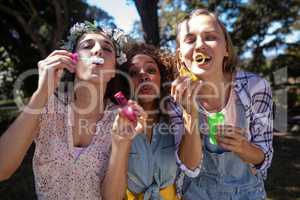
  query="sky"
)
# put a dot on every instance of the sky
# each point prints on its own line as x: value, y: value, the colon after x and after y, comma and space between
x: 124, y: 13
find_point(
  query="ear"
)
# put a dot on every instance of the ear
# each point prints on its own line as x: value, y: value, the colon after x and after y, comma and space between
x: 114, y: 75
x: 226, y: 54
x: 179, y: 59
x: 179, y: 54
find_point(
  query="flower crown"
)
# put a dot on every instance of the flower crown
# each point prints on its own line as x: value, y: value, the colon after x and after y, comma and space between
x: 117, y: 36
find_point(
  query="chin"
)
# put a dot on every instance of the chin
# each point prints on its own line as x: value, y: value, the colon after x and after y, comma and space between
x: 147, y: 98
x: 198, y: 71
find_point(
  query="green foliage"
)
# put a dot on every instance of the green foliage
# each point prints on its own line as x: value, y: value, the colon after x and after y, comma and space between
x: 8, y: 74
x: 31, y: 29
x: 260, y: 31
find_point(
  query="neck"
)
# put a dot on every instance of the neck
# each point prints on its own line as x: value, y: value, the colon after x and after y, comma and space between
x: 215, y: 93
x: 150, y: 106
x: 152, y: 116
x: 90, y: 102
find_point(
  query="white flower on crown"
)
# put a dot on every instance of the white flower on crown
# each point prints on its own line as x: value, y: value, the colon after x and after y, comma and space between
x: 122, y: 58
x: 78, y: 28
x: 116, y: 35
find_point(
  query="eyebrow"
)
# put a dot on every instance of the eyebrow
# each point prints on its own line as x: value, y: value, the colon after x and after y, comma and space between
x: 211, y: 31
x: 147, y: 62
x: 109, y: 43
x: 90, y: 39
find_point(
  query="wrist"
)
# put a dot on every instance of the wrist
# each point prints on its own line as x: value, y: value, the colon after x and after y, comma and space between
x: 121, y: 144
x: 36, y: 103
x: 190, y: 120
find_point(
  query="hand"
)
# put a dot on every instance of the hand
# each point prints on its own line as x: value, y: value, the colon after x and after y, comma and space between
x: 51, y: 70
x: 184, y: 91
x: 125, y: 130
x: 231, y: 138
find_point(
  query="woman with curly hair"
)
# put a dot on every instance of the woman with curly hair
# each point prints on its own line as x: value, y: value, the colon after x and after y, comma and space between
x: 70, y: 117
x: 152, y: 166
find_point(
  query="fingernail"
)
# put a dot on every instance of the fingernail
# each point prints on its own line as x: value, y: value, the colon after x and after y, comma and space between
x: 74, y: 58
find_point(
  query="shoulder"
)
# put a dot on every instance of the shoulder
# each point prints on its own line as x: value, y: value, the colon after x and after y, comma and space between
x: 252, y: 82
x: 110, y: 106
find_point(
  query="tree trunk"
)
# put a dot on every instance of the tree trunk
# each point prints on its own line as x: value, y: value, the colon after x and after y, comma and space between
x: 148, y: 13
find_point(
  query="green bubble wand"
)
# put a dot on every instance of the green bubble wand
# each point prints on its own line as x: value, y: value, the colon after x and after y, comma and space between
x: 214, y: 120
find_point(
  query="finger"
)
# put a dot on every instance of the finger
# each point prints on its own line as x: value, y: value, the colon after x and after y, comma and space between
x: 177, y: 81
x: 225, y: 140
x: 140, y: 128
x: 195, y: 88
x: 227, y: 146
x: 136, y: 107
x: 224, y: 130
x: 240, y: 131
x: 62, y: 58
x: 59, y: 66
x: 60, y: 52
x: 124, y: 128
x: 179, y: 90
x: 230, y: 131
x: 62, y: 64
x: 60, y: 74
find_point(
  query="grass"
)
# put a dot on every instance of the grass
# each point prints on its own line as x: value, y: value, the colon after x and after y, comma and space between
x: 283, y: 182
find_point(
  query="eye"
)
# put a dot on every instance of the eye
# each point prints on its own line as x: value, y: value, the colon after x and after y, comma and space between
x: 151, y: 70
x: 107, y: 48
x: 85, y: 45
x: 210, y: 37
x: 133, y: 72
x: 189, y: 38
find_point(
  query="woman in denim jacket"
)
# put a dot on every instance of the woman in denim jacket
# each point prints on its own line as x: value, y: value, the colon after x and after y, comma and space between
x: 152, y: 166
x: 233, y: 166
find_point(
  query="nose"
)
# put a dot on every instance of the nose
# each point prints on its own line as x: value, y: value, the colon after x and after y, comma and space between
x: 143, y: 77
x: 97, y: 49
x: 200, y: 43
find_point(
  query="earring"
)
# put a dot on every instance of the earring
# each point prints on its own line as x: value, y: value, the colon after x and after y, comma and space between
x: 225, y: 62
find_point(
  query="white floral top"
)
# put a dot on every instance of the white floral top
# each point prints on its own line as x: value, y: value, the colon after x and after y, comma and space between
x: 59, y: 173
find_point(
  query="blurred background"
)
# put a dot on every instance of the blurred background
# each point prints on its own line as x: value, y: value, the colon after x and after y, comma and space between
x: 266, y: 35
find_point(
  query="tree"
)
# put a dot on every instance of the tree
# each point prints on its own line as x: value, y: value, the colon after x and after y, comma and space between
x: 148, y: 11
x: 256, y: 27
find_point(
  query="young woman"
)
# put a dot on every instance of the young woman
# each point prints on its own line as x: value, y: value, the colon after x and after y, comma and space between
x: 69, y: 117
x: 234, y: 166
x: 152, y: 167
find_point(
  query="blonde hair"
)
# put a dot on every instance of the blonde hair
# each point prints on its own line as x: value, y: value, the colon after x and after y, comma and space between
x: 229, y: 64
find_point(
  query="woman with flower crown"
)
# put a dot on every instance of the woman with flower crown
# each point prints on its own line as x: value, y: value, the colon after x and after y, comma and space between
x: 70, y: 117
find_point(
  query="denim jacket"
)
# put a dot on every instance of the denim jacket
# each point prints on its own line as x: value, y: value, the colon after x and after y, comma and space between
x: 152, y: 166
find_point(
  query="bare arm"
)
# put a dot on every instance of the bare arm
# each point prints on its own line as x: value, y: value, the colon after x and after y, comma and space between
x: 184, y: 92
x: 17, y: 139
x: 115, y: 181
x: 190, y: 149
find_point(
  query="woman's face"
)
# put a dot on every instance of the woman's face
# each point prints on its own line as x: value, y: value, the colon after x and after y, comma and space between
x: 97, y: 58
x: 203, y: 34
x: 146, y: 78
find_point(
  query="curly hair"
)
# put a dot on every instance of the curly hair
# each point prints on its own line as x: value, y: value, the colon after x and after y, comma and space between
x: 165, y: 62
